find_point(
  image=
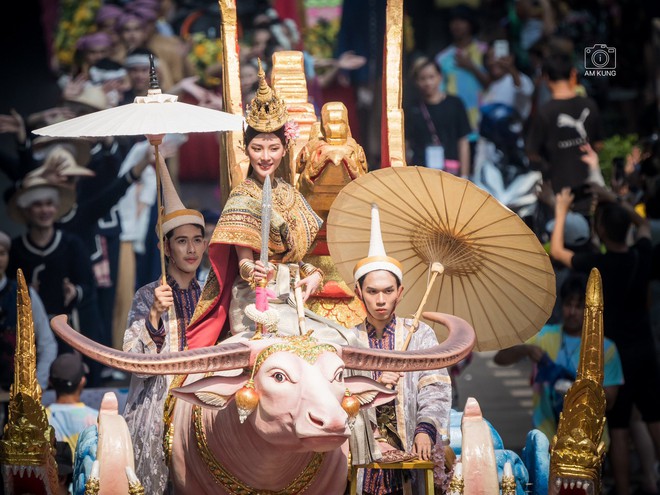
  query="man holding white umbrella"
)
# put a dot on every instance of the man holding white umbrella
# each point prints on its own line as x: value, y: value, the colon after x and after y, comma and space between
x: 157, y: 323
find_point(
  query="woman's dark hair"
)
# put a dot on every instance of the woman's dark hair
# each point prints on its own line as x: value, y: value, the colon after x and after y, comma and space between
x: 251, y: 133
x: 465, y: 13
x: 422, y: 63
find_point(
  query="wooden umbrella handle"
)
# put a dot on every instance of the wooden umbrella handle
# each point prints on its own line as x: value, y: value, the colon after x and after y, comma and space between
x: 436, y: 269
x: 159, y: 197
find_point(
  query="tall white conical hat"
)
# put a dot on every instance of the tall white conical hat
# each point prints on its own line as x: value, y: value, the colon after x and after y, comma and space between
x: 377, y: 258
x: 175, y: 213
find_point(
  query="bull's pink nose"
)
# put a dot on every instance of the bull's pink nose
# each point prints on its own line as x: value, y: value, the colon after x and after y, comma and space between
x: 329, y: 425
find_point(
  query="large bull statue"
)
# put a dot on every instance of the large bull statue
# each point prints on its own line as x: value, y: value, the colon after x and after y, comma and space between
x: 292, y: 439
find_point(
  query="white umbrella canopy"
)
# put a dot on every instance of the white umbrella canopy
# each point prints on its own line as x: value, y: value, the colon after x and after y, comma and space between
x: 497, y: 275
x: 154, y: 114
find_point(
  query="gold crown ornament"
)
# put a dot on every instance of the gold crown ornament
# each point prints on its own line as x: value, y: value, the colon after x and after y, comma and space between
x: 267, y: 111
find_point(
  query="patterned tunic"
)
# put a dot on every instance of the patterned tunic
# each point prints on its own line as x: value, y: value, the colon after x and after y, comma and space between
x: 147, y: 394
x: 185, y: 301
x: 293, y: 227
x: 294, y: 224
x: 423, y: 399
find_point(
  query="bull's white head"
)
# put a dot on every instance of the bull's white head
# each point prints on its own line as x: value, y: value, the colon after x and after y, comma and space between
x: 299, y: 385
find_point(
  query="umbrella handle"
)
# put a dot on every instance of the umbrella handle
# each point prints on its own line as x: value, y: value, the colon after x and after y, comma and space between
x: 261, y: 305
x: 436, y: 269
x: 159, y: 197
x: 299, y: 302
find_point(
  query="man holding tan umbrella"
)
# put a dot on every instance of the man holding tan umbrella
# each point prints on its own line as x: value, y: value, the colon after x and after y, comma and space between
x: 418, y: 420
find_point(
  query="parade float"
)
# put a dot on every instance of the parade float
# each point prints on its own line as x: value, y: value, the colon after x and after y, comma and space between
x: 208, y: 390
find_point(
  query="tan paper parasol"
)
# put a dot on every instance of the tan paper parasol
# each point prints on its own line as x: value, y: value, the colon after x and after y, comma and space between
x: 154, y: 116
x: 496, y: 275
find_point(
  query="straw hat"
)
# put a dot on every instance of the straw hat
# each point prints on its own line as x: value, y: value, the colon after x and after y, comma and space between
x: 377, y: 258
x: 175, y: 213
x: 42, y: 146
x: 36, y: 188
x: 91, y: 96
x: 61, y: 161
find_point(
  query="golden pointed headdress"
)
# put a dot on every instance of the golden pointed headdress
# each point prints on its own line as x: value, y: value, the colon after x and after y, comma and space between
x: 267, y: 111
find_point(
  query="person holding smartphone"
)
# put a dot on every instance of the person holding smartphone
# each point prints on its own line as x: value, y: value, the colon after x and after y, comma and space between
x: 507, y: 84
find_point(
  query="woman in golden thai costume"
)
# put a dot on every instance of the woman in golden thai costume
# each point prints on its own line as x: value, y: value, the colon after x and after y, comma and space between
x: 236, y: 242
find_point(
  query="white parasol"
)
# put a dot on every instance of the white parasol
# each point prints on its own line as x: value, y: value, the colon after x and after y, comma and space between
x: 154, y: 116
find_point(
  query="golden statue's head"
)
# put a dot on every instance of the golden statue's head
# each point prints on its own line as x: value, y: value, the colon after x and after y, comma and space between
x: 334, y: 117
x: 330, y: 159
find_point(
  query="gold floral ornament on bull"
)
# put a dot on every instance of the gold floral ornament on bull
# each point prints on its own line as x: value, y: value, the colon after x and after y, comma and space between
x: 491, y: 268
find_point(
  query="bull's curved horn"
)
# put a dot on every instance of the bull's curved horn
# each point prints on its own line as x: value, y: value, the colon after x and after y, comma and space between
x: 457, y: 346
x: 217, y: 358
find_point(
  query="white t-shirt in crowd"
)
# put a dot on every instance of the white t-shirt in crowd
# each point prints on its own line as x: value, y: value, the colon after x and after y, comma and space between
x: 505, y: 91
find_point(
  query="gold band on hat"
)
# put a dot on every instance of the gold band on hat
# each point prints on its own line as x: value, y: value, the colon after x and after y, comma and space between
x: 375, y: 263
x: 178, y: 218
x: 376, y: 259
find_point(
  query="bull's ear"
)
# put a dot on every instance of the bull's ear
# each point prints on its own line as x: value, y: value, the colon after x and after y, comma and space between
x: 369, y: 392
x: 213, y: 392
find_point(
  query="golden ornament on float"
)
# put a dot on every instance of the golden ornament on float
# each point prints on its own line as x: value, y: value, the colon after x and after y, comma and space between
x: 247, y: 399
x: 351, y: 405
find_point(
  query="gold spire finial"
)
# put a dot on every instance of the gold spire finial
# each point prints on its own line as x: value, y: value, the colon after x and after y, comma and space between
x: 28, y: 440
x: 577, y: 450
x: 267, y: 111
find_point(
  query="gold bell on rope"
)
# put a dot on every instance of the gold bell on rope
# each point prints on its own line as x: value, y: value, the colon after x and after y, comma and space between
x: 351, y: 405
x: 246, y: 399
